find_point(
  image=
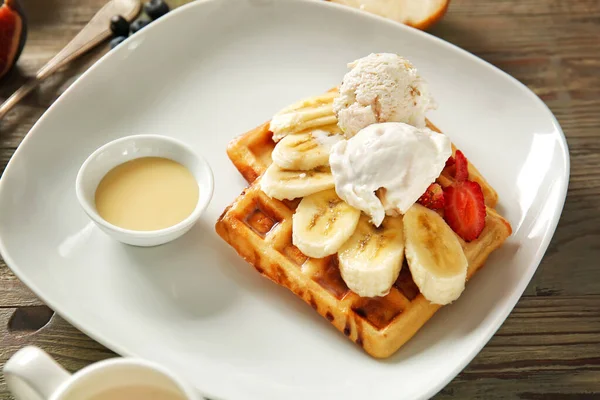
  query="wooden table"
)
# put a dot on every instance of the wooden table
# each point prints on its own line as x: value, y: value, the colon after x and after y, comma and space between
x: 549, y: 348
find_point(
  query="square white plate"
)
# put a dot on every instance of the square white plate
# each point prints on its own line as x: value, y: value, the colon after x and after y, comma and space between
x: 204, y: 74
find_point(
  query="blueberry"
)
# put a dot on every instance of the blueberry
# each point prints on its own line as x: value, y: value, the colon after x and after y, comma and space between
x: 119, y: 26
x: 117, y: 41
x: 156, y: 8
x: 139, y: 24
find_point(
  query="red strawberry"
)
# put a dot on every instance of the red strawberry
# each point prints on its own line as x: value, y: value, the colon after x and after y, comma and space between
x: 433, y: 198
x: 462, y: 171
x: 464, y: 208
x: 450, y: 162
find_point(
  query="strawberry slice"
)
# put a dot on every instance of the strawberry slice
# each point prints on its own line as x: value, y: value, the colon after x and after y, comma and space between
x: 450, y: 167
x: 433, y: 198
x: 464, y: 208
x: 462, y: 171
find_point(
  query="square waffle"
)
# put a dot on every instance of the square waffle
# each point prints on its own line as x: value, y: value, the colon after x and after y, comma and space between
x: 259, y: 228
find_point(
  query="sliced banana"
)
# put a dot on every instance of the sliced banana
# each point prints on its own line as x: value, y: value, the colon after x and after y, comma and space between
x: 307, y: 150
x: 371, y: 259
x: 435, y: 257
x: 306, y: 114
x: 291, y: 184
x: 311, y: 102
x: 322, y: 223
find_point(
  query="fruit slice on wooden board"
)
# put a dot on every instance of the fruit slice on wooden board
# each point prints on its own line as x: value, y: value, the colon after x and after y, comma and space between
x: 13, y: 33
x: 420, y: 14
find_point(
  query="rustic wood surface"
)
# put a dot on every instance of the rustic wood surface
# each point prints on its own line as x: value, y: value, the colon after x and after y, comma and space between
x: 549, y: 348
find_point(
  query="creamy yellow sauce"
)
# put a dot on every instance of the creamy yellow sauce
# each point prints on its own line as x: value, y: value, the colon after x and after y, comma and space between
x: 137, y: 393
x: 147, y: 194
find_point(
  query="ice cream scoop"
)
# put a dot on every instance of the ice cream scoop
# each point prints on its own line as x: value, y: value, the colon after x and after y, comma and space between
x: 381, y: 87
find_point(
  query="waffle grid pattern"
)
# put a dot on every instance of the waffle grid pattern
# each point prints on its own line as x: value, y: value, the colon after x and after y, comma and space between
x: 260, y: 230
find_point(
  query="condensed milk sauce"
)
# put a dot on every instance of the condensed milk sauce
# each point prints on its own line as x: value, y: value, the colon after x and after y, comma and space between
x: 137, y: 393
x: 146, y: 194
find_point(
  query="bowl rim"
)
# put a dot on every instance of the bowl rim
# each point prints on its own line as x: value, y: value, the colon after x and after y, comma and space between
x: 201, y: 204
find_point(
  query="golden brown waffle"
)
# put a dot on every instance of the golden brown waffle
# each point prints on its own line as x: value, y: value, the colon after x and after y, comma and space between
x: 259, y: 228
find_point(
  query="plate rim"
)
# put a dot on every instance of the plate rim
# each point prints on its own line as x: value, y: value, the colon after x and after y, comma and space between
x: 493, y: 326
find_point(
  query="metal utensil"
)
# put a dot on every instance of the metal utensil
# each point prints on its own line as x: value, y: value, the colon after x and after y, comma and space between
x: 95, y: 32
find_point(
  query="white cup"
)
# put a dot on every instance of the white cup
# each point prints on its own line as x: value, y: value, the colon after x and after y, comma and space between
x: 31, y: 374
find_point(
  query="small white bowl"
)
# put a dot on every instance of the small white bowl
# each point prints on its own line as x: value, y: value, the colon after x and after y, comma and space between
x: 114, y: 153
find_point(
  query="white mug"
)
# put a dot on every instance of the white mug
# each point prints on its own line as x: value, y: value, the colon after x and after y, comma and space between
x: 31, y: 374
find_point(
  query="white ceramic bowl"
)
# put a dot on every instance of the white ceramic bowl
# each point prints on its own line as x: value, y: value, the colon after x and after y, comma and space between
x: 128, y: 148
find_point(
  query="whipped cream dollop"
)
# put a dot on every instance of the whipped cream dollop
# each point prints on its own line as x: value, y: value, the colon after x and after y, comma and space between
x: 402, y: 159
x: 381, y: 87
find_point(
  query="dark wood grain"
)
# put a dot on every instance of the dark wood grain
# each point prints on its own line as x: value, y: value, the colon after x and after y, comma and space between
x: 71, y: 348
x: 549, y: 347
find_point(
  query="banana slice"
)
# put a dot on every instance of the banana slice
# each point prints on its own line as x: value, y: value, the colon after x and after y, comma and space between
x: 306, y: 150
x: 311, y: 102
x: 435, y: 257
x: 322, y: 223
x: 306, y: 114
x: 291, y: 184
x: 371, y: 259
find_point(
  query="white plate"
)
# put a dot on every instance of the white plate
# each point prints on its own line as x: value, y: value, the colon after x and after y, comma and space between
x: 210, y: 71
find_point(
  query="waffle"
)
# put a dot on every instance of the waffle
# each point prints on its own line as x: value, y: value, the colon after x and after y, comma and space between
x: 259, y: 228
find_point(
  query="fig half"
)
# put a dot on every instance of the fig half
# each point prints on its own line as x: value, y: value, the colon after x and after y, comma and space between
x: 13, y: 34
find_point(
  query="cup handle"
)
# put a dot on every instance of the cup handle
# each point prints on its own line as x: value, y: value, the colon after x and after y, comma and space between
x: 32, y: 374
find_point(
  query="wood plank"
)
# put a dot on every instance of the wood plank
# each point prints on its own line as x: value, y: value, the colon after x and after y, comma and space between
x: 514, y: 29
x: 67, y: 345
x: 504, y: 9
x: 13, y: 293
x: 548, y: 346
